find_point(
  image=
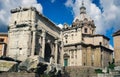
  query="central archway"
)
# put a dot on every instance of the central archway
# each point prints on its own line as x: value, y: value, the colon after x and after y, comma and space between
x: 47, y: 54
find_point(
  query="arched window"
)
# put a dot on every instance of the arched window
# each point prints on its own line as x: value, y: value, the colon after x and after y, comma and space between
x: 15, y: 23
x: 72, y: 36
x: 92, y: 31
x: 77, y: 20
x: 66, y: 36
x: 86, y: 19
x: 1, y: 40
x: 85, y: 30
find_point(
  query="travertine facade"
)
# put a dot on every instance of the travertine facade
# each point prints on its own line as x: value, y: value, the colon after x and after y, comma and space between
x: 116, y: 36
x: 30, y: 34
x: 3, y: 43
x: 82, y: 47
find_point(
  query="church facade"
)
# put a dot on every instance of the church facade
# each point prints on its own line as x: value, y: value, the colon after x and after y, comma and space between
x: 32, y: 34
x: 82, y: 47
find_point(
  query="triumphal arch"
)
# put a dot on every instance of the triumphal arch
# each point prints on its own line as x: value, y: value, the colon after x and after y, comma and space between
x: 32, y: 34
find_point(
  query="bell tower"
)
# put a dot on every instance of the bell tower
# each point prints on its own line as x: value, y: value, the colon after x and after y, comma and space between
x: 84, y: 21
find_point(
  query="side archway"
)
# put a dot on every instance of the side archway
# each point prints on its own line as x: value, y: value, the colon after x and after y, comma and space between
x: 47, y: 51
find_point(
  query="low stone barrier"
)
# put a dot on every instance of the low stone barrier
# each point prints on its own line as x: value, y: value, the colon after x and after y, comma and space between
x: 108, y: 75
x: 19, y: 74
x: 79, y: 71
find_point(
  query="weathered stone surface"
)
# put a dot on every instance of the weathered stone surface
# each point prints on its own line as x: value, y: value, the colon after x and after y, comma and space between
x: 80, y: 71
x: 17, y: 74
x: 82, y: 46
x: 30, y: 33
x: 116, y: 36
x: 8, y: 66
x: 31, y: 63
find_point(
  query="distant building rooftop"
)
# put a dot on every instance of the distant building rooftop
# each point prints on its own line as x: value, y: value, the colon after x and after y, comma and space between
x: 116, y: 33
x: 95, y: 35
x: 4, y: 34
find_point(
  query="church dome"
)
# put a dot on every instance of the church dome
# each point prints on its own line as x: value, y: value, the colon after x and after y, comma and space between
x: 82, y: 16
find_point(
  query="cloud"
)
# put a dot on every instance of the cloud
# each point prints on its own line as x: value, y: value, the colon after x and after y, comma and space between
x: 52, y: 1
x: 60, y: 26
x: 111, y: 13
x: 69, y: 3
x: 7, y: 5
x: 106, y: 18
x: 33, y: 3
x: 111, y: 47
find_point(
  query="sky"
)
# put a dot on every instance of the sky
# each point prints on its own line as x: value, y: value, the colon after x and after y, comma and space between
x: 105, y: 13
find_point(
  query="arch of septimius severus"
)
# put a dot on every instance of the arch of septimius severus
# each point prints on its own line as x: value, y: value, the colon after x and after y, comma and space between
x: 31, y: 34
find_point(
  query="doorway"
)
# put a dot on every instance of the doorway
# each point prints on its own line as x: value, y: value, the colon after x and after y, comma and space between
x: 65, y: 62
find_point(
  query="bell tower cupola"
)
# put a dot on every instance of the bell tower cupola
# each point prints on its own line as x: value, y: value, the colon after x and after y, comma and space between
x: 82, y: 8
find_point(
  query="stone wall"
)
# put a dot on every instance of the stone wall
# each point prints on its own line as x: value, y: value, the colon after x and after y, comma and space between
x: 108, y: 75
x: 17, y: 74
x: 86, y: 71
x: 3, y: 43
x: 79, y: 71
x: 72, y: 36
x: 117, y: 49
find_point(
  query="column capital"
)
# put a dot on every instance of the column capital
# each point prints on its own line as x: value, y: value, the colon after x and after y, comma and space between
x: 56, y: 41
x: 33, y: 28
x: 43, y: 34
x: 48, y: 41
x: 43, y: 31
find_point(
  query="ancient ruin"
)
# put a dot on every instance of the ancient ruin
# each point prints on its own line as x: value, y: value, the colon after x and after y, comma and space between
x: 37, y: 45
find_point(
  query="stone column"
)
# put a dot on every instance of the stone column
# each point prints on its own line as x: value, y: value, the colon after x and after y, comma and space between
x: 61, y: 53
x: 33, y: 43
x: 43, y: 43
x: 70, y: 57
x: 40, y: 42
x: 52, y: 49
x: 61, y: 49
x: 56, y: 50
x: 102, y: 58
x: 3, y: 50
